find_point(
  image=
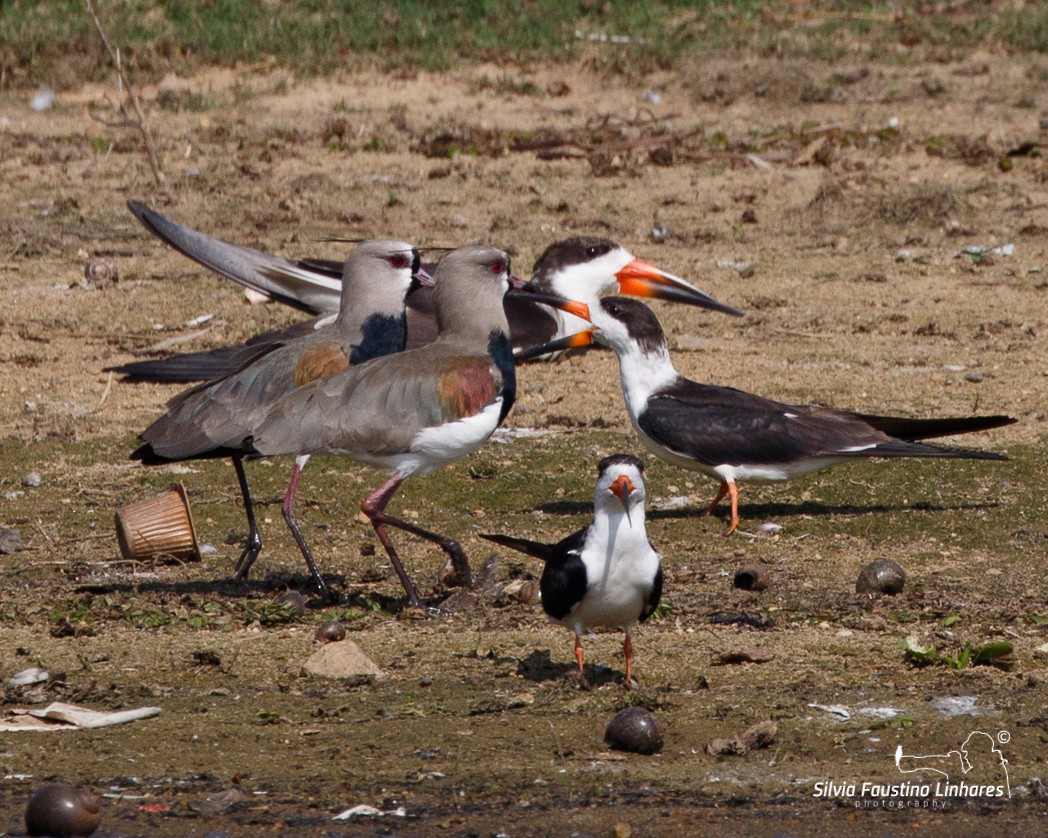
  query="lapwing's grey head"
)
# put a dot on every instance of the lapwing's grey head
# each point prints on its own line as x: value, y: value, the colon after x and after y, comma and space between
x: 470, y: 283
x: 376, y: 277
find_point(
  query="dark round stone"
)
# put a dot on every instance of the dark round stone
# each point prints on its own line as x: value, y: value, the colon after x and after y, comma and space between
x: 60, y: 810
x: 635, y: 729
x: 331, y: 631
x: 881, y: 577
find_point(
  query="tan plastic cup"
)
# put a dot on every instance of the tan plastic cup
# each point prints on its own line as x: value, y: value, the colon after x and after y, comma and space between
x: 160, y: 525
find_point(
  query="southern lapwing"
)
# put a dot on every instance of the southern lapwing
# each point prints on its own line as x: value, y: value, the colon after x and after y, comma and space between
x: 416, y: 411
x: 731, y: 435
x: 214, y: 418
x: 607, y: 574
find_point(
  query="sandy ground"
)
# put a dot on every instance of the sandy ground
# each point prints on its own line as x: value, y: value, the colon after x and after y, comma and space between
x: 832, y: 203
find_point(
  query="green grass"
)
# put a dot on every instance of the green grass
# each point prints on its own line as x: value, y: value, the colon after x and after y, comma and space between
x: 40, y: 41
x: 53, y: 41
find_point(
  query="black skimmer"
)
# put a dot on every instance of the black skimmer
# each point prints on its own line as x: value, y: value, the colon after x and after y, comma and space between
x: 213, y: 419
x: 415, y: 411
x: 731, y: 435
x: 607, y: 574
x: 579, y: 268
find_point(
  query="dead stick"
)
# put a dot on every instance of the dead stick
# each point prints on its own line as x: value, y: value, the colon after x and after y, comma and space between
x: 140, y: 122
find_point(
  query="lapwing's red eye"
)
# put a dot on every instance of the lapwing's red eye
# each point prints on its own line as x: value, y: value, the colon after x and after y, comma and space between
x: 398, y: 261
x: 498, y: 268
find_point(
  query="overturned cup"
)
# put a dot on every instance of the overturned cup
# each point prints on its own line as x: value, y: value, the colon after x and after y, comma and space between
x: 160, y: 525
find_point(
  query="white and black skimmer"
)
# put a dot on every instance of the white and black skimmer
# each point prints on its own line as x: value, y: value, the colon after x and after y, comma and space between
x: 213, y: 419
x: 584, y: 268
x: 607, y: 574
x: 731, y: 435
x: 415, y: 411
x: 580, y: 268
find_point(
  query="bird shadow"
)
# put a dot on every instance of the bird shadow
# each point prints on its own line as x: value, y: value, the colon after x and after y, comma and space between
x: 564, y: 507
x: 273, y: 586
x: 225, y: 588
x: 538, y: 668
x: 770, y: 510
x: 751, y: 511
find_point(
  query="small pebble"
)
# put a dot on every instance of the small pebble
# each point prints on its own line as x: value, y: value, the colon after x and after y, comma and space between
x: 659, y: 233
x: 97, y: 273
x: 529, y: 593
x: 59, y: 810
x: 32, y: 480
x: 331, y: 631
x: 10, y: 541
x: 881, y: 577
x: 43, y: 99
x: 293, y: 599
x: 635, y: 729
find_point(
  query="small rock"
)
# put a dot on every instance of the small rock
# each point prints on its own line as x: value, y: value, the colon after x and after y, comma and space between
x: 974, y: 377
x: 218, y: 803
x: 882, y: 576
x: 659, y: 233
x: 524, y: 591
x: 32, y: 480
x: 10, y: 541
x: 43, y: 99
x: 341, y: 660
x: 759, y: 735
x: 293, y: 600
x: 933, y: 86
x: 98, y: 273
x: 636, y: 730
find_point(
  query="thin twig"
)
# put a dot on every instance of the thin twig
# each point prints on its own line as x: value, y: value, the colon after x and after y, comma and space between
x: 139, y: 122
x: 105, y: 393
